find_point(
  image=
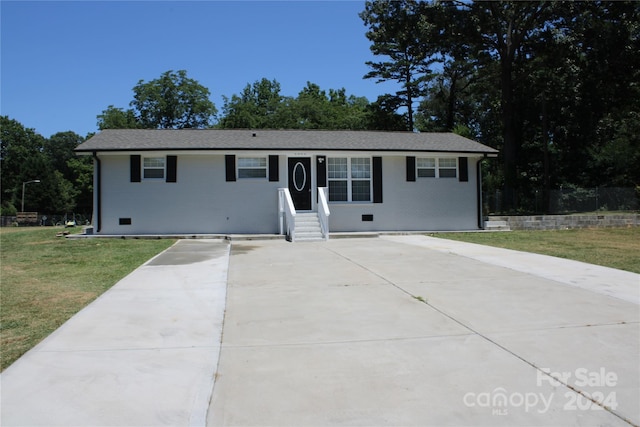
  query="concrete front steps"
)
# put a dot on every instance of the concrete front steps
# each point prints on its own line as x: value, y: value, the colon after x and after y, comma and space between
x: 494, y: 225
x: 308, y: 227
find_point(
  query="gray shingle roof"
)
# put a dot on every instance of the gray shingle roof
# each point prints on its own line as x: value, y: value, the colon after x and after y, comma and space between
x: 214, y: 139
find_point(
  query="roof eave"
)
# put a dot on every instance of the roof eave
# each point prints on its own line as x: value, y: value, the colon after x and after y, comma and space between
x: 382, y: 150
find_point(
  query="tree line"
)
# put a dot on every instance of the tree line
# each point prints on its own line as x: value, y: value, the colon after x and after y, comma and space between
x: 174, y: 101
x: 66, y: 180
x: 555, y: 86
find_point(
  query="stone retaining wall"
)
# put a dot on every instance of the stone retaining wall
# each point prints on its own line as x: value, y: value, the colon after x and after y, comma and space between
x: 562, y: 222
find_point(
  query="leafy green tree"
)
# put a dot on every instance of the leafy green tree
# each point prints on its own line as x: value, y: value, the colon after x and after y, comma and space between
x: 553, y: 85
x: 27, y: 156
x: 618, y: 160
x: 312, y: 108
x: 500, y: 33
x: 602, y: 40
x: 449, y: 100
x: 75, y: 173
x: 117, y: 118
x: 21, y: 160
x: 382, y: 114
x: 576, y: 109
x: 258, y: 106
x: 81, y: 178
x: 59, y: 148
x: 315, y: 109
x: 348, y: 112
x: 173, y: 101
x: 66, y: 193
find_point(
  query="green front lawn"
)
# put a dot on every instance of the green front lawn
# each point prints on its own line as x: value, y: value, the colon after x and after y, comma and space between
x: 611, y: 247
x: 44, y: 280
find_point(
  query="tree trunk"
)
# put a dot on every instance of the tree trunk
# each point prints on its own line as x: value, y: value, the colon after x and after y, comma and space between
x: 409, y: 112
x: 545, y: 142
x: 510, y: 150
x: 452, y: 102
x: 409, y: 100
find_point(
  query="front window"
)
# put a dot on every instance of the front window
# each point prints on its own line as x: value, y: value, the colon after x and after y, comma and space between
x: 426, y: 167
x: 431, y: 167
x: 447, y: 168
x: 361, y: 179
x: 349, y: 179
x: 337, y: 176
x: 153, y: 167
x: 252, y: 167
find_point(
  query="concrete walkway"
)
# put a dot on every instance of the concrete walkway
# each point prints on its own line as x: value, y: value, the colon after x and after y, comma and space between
x: 606, y: 281
x: 143, y: 354
x: 399, y: 330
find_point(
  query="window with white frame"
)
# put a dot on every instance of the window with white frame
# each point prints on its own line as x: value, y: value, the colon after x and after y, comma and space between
x: 426, y: 167
x: 349, y: 179
x: 447, y: 168
x: 153, y: 167
x: 430, y: 167
x: 252, y: 167
x: 337, y: 178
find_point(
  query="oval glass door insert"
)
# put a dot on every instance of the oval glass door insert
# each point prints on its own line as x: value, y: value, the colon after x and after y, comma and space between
x: 299, y: 176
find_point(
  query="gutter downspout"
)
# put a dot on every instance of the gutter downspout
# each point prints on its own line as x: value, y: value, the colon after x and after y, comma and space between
x: 98, y: 191
x: 479, y: 192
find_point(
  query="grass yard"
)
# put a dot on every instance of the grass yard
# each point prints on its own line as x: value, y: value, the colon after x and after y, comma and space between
x: 611, y: 247
x: 44, y: 280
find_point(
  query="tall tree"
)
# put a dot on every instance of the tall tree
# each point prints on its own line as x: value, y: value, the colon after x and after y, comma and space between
x: 173, y: 101
x: 577, y: 106
x: 500, y: 32
x: 603, y: 40
x: 448, y: 101
x: 553, y: 85
x: 396, y: 29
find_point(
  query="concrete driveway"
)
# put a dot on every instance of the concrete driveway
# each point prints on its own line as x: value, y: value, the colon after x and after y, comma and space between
x: 406, y: 331
x: 403, y: 330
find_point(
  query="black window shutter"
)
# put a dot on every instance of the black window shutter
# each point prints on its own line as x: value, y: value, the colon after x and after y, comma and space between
x: 411, y: 168
x: 377, y: 180
x: 172, y: 168
x: 464, y: 169
x: 230, y: 167
x: 321, y: 171
x: 274, y: 173
x: 134, y: 160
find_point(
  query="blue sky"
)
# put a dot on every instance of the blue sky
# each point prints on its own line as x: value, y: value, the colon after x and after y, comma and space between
x: 63, y: 63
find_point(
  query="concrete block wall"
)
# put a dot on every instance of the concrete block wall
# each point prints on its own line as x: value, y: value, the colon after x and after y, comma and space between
x: 562, y: 222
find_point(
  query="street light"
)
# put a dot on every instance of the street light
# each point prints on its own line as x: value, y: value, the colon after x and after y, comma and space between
x: 24, y: 184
